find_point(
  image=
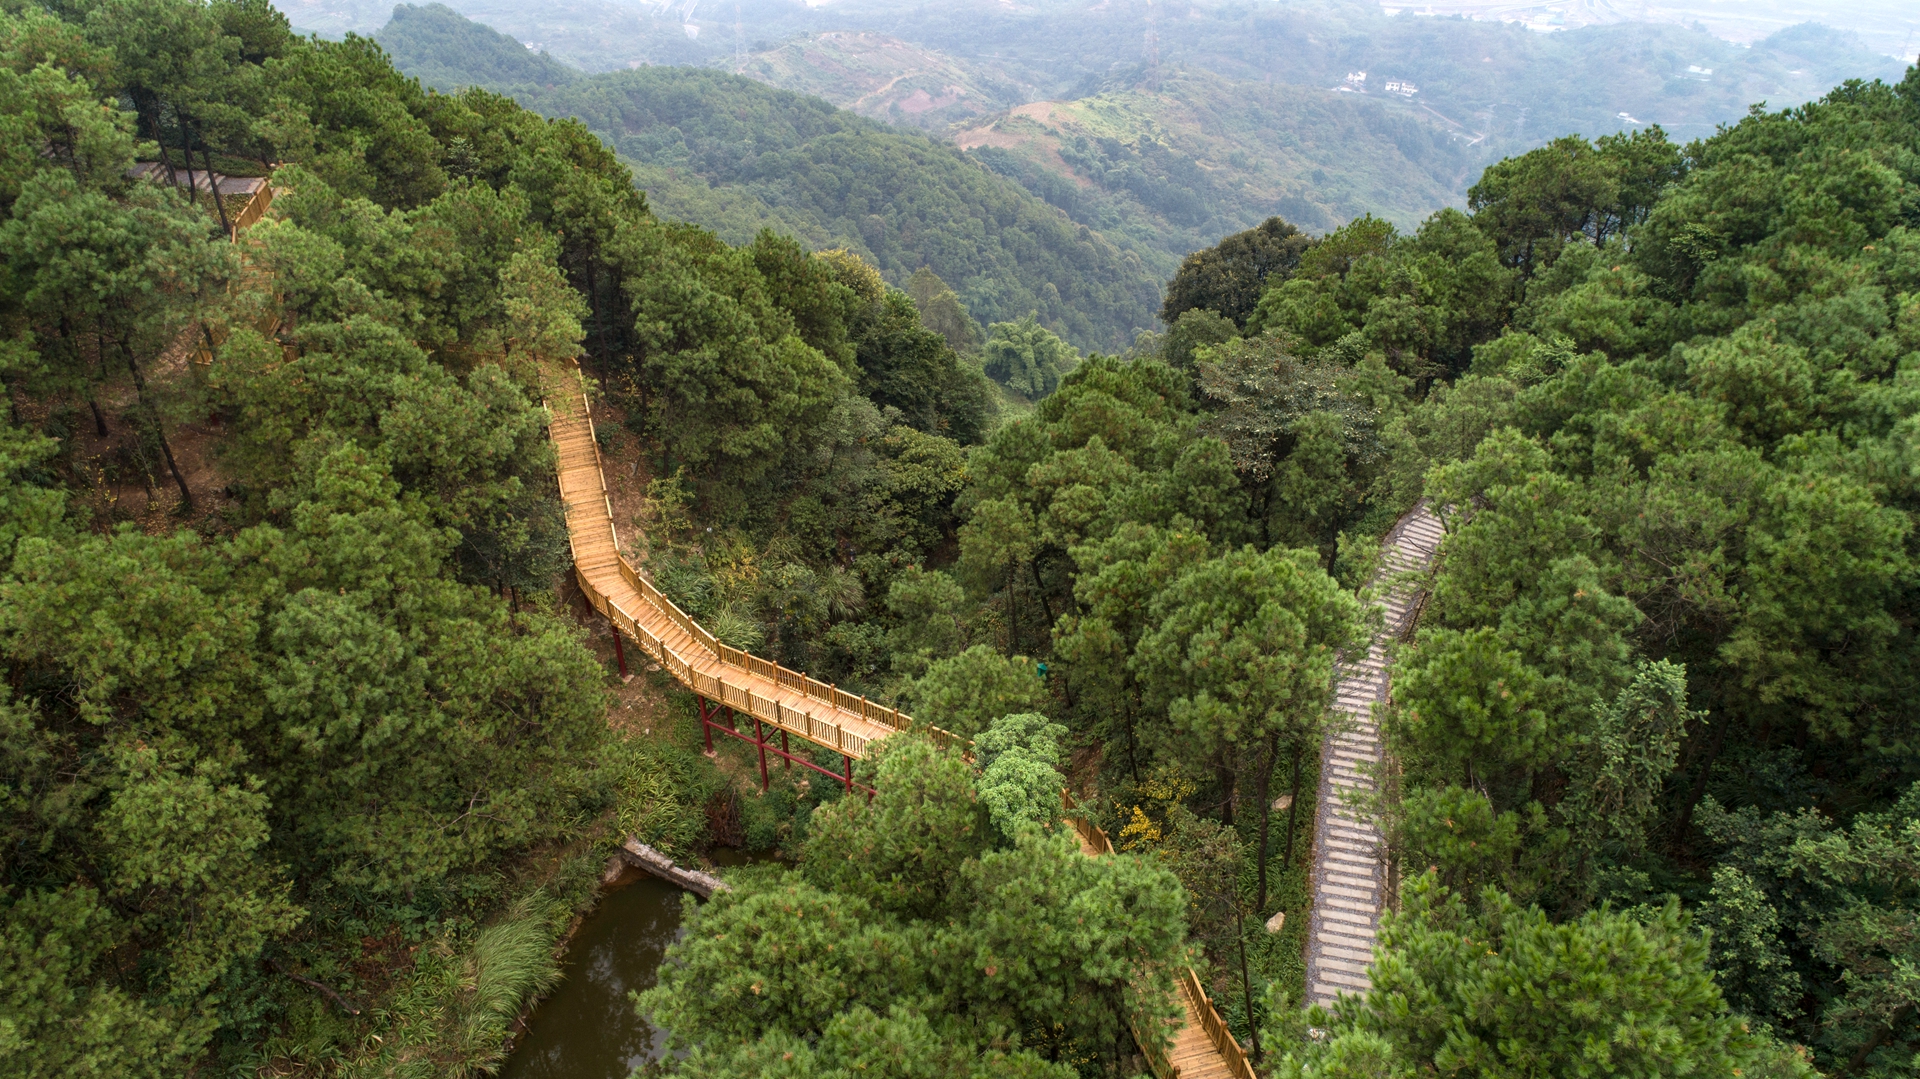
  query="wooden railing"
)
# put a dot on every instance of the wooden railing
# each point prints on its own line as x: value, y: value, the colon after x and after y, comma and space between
x: 255, y: 209
x: 1095, y: 836
x: 251, y: 213
x: 741, y: 698
x: 1223, y: 1040
x: 798, y: 681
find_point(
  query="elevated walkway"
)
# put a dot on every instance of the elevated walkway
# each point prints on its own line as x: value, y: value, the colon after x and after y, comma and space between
x: 1348, y: 883
x: 775, y: 699
x: 1203, y: 1047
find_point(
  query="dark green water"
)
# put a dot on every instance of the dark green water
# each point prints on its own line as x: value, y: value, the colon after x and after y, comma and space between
x: 588, y: 1028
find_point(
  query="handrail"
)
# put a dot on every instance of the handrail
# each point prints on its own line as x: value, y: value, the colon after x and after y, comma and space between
x: 1095, y: 836
x: 1223, y: 1040
x: 255, y: 209
x: 822, y: 729
x: 251, y: 213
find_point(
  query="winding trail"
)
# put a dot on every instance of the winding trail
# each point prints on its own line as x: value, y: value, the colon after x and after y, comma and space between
x: 1349, y: 866
x: 1203, y: 1047
x: 777, y: 701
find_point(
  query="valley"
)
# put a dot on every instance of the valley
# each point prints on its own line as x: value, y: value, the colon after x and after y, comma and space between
x: 1318, y: 113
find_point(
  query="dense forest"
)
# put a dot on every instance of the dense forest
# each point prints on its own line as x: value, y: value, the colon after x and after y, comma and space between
x: 737, y: 157
x: 310, y: 755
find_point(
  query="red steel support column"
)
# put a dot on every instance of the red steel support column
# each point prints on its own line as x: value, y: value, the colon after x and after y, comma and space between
x: 786, y: 762
x: 849, y: 773
x: 620, y: 651
x: 760, y: 740
x: 706, y: 723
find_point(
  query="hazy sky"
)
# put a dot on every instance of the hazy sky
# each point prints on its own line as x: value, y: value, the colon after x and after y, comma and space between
x: 1888, y: 26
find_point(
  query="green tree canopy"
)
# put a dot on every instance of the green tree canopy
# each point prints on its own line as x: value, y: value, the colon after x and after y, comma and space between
x: 1241, y: 658
x: 1026, y: 357
x: 1020, y: 781
x: 1460, y: 992
x: 1230, y: 277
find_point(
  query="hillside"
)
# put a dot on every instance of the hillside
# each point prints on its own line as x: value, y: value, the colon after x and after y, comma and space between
x: 1174, y: 167
x: 736, y: 156
x: 1254, y: 113
x: 886, y: 78
x: 1887, y: 26
x: 438, y: 47
x: 1500, y: 79
x: 1250, y: 112
x: 596, y: 35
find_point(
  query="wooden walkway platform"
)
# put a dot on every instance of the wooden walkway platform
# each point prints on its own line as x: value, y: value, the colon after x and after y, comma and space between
x: 1349, y: 874
x: 1203, y: 1048
x: 755, y: 689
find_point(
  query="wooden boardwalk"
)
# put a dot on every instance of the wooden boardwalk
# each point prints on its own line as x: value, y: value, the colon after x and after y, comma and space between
x: 1349, y: 874
x: 785, y: 700
x: 759, y: 692
x: 1194, y: 1055
x: 1202, y: 1047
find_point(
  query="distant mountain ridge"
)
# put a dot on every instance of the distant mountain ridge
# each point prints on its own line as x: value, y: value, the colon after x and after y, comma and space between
x: 1279, y: 109
x: 447, y: 51
x: 1176, y: 166
x: 885, y: 78
x: 735, y: 156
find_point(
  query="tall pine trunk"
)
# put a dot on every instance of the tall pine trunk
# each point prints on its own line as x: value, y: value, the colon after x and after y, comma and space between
x: 1698, y: 790
x: 1013, y: 611
x: 152, y: 109
x: 186, y: 154
x: 1246, y: 984
x: 213, y: 190
x: 1263, y: 789
x: 1040, y: 590
x: 159, y: 429
x: 1293, y: 806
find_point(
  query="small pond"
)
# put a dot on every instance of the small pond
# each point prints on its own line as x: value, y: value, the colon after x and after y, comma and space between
x: 587, y: 1028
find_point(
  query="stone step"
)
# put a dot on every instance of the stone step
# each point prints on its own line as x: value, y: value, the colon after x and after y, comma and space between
x: 1344, y: 979
x: 1326, y: 964
x: 1352, y: 923
x: 1357, y: 950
